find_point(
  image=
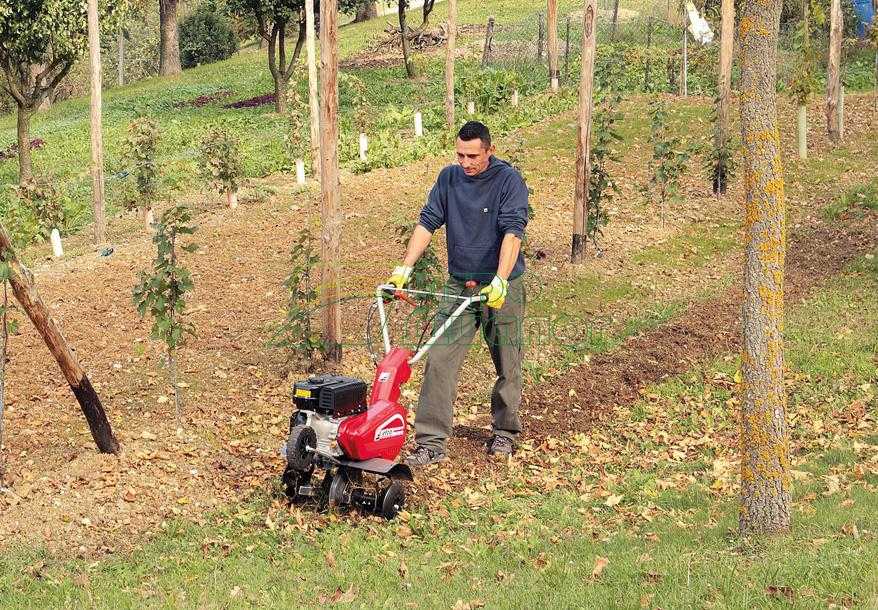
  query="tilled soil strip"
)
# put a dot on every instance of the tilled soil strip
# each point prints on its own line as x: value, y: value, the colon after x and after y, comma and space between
x: 705, y: 330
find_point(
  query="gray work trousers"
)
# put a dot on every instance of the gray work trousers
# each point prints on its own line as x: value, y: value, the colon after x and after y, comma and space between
x: 502, y: 330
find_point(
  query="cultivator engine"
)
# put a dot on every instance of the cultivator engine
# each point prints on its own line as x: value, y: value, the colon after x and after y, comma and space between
x: 353, y: 435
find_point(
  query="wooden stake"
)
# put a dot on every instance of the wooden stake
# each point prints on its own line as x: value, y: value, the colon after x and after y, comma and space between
x: 97, y: 141
x: 583, y: 143
x: 724, y: 83
x: 489, y: 42
x: 552, y: 19
x: 541, y: 36
x: 567, y: 50
x: 313, y: 100
x: 120, y: 69
x: 330, y: 215
x: 449, y: 64
x: 25, y: 291
x: 684, y: 77
x: 833, y: 73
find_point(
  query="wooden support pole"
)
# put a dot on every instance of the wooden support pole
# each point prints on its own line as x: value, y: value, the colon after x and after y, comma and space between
x: 120, y: 55
x: 724, y: 87
x: 583, y: 143
x: 25, y: 291
x: 313, y: 99
x: 449, y: 64
x: 552, y: 19
x: 97, y: 140
x: 489, y: 42
x: 684, y: 76
x: 541, y: 36
x: 833, y: 73
x: 615, y: 19
x: 330, y: 213
x: 567, y: 50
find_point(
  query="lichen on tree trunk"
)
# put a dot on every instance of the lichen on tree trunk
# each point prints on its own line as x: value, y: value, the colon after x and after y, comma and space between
x: 765, y: 492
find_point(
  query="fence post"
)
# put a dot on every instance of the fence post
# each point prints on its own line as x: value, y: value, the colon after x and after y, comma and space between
x: 567, y: 48
x: 541, y: 33
x: 648, y: 66
x: 489, y: 42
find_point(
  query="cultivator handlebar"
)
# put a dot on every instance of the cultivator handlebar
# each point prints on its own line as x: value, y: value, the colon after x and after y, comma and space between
x: 403, y: 294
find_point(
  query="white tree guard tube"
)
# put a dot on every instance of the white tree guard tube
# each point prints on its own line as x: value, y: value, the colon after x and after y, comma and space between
x: 803, y: 132
x: 515, y: 98
x: 232, y: 198
x: 57, y: 248
x: 470, y: 107
x: 554, y: 83
x: 364, y: 146
x: 419, y: 125
x: 300, y: 171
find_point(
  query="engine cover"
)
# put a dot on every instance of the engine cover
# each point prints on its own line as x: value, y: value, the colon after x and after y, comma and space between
x: 332, y: 395
x: 377, y: 433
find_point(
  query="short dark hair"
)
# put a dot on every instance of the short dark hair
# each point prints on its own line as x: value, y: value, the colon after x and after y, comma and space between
x: 472, y: 130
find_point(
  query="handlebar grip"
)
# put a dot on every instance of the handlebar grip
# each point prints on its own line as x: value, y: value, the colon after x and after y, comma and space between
x: 399, y: 294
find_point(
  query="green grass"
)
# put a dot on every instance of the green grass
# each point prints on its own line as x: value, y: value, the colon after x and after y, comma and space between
x: 864, y: 196
x: 697, y: 246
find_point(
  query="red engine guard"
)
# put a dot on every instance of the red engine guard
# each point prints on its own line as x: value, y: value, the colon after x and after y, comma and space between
x: 380, y: 431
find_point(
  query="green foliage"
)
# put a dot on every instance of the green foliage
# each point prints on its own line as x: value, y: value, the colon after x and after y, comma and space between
x: 354, y: 89
x: 220, y: 162
x: 139, y: 154
x: 602, y: 188
x: 669, y: 158
x: 297, y: 121
x: 490, y: 88
x: 296, y: 333
x: 720, y: 163
x: 206, y: 36
x: 805, y: 80
x: 41, y: 196
x: 161, y: 292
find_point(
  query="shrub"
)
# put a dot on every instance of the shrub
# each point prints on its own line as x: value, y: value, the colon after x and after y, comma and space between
x: 139, y: 154
x: 206, y: 36
x: 295, y: 333
x: 40, y: 196
x: 489, y: 88
x: 221, y: 163
x: 669, y: 159
x: 161, y: 292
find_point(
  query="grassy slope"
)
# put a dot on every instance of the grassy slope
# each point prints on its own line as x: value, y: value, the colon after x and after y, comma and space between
x: 506, y: 546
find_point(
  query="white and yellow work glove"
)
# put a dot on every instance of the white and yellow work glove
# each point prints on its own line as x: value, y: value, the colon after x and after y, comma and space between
x: 400, y: 276
x: 496, y: 292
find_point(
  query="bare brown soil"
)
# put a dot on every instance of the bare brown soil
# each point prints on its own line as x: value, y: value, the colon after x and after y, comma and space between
x: 60, y: 493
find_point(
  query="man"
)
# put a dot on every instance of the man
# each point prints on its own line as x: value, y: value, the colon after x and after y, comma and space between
x: 482, y: 201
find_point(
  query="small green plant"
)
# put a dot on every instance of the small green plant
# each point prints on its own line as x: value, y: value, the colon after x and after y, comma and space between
x: 719, y: 162
x: 489, y: 88
x: 297, y: 121
x: 40, y: 196
x: 161, y: 292
x: 805, y: 79
x: 295, y: 333
x: 602, y: 188
x: 139, y: 153
x: 355, y: 91
x: 669, y: 159
x: 221, y: 163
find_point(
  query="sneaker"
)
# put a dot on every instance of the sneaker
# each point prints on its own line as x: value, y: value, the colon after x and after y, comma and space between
x: 500, y: 445
x: 422, y: 456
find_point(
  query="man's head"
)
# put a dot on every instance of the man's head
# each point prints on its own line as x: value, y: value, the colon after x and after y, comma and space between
x: 474, y: 148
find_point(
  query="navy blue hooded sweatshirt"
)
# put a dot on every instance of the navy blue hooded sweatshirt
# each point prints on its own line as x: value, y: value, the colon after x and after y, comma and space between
x: 478, y: 211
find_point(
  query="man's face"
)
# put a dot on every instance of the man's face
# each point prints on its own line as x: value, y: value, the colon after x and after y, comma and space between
x: 473, y: 156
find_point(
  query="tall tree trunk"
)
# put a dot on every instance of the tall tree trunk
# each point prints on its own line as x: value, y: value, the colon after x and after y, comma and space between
x: 97, y: 140
x: 26, y: 292
x: 724, y: 88
x: 25, y: 165
x: 410, y: 70
x: 330, y: 212
x: 833, y: 73
x: 765, y: 486
x: 449, y: 64
x: 169, y: 39
x: 366, y: 11
x: 552, y: 24
x: 313, y: 100
x: 583, y: 143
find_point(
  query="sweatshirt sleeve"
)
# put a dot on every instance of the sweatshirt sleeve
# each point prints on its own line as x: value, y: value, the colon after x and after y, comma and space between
x: 433, y: 215
x: 513, y: 207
